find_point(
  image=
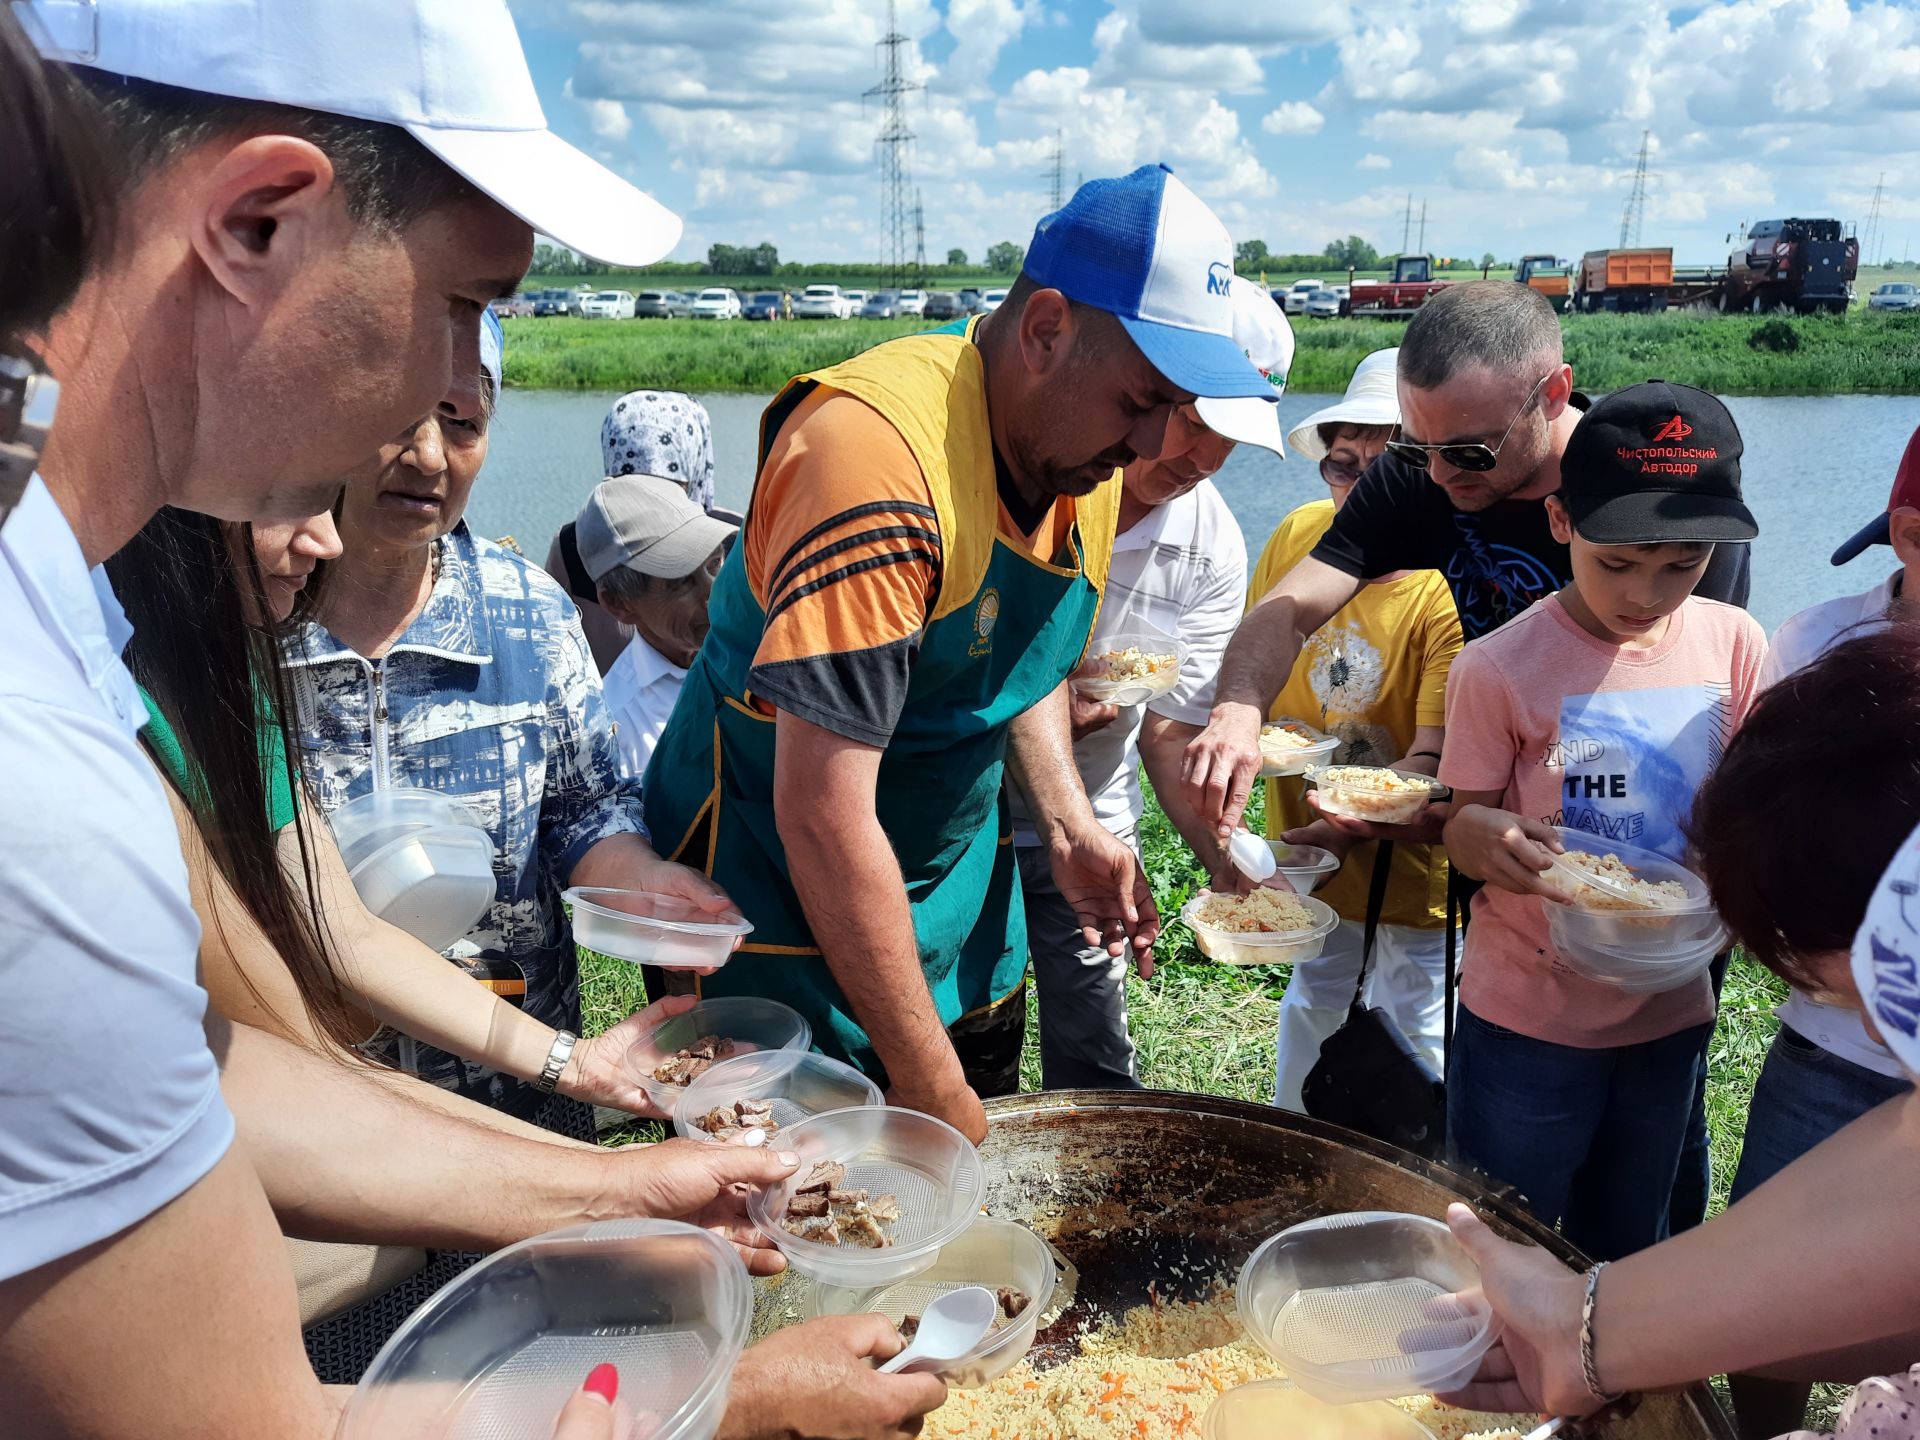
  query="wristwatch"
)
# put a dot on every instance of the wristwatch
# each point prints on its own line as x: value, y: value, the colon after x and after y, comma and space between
x: 557, y: 1057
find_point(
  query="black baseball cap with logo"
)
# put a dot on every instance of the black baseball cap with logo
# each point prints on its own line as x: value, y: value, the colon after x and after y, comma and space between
x: 1652, y: 464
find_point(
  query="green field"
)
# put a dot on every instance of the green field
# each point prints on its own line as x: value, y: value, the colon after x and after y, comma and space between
x: 1857, y: 353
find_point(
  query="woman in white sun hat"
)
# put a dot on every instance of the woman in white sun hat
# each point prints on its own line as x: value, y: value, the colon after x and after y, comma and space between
x: 1375, y: 677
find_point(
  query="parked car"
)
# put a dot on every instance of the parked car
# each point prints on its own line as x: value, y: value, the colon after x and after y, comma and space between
x: 656, y: 304
x: 608, y: 305
x: 881, y: 305
x: 763, y: 305
x: 1329, y: 302
x: 557, y: 302
x: 990, y: 301
x: 857, y: 301
x: 913, y: 302
x: 970, y: 297
x: 511, y: 305
x: 1298, y: 294
x: 1895, y: 296
x: 717, y: 302
x: 822, y: 302
x: 945, y: 305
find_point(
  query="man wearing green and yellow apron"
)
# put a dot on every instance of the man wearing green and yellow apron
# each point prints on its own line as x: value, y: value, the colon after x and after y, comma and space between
x: 919, y: 573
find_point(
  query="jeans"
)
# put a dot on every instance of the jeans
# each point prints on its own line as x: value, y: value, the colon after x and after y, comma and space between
x: 1804, y: 1095
x: 1406, y: 979
x: 1084, y: 1044
x: 1590, y: 1138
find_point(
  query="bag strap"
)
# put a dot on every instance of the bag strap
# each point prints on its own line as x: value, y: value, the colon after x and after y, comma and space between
x: 1456, y: 932
x: 1376, y: 902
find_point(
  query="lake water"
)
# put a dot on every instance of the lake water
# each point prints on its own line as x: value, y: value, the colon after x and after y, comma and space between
x: 1816, y: 469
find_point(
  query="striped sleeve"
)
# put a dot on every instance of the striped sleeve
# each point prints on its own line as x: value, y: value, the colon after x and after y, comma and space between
x: 844, y: 555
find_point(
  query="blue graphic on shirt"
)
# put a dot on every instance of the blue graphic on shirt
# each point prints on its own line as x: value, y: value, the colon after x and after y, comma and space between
x: 1896, y: 989
x: 1492, y: 583
x: 1631, y: 761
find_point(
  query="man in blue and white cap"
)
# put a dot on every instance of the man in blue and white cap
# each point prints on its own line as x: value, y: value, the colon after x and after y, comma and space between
x: 311, y: 206
x: 931, y: 534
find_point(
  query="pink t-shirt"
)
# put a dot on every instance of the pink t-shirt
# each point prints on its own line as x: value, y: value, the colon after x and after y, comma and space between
x: 1573, y: 731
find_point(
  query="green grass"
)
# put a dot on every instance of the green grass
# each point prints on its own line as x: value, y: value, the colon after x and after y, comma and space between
x: 1853, y: 353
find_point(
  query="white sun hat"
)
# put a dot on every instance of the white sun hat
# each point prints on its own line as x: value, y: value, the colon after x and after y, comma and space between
x: 450, y: 73
x: 1371, y: 399
x: 1261, y: 331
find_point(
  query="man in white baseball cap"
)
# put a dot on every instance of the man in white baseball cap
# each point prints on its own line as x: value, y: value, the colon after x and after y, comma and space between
x: 313, y: 205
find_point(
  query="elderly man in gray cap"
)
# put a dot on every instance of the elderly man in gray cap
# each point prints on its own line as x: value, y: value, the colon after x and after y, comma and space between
x: 652, y: 555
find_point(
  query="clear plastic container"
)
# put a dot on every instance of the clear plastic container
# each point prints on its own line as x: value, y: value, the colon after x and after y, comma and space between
x: 1367, y: 1306
x: 1257, y: 947
x: 1645, y: 967
x: 929, y: 1167
x: 433, y: 883
x: 749, y: 1022
x: 1305, y: 867
x: 1611, y: 914
x: 1094, y: 678
x: 648, y: 929
x: 1278, y: 1410
x: 1374, y: 793
x: 799, y: 1084
x: 497, y: 1352
x: 1285, y: 759
x: 993, y: 1253
x: 375, y: 820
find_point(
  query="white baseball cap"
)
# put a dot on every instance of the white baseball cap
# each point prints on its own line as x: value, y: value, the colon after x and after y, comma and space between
x: 1261, y: 331
x: 450, y: 73
x: 645, y: 523
x: 1886, y: 956
x: 1372, y: 398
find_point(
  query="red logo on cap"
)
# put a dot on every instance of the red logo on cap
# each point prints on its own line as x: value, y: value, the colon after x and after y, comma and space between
x: 1674, y: 429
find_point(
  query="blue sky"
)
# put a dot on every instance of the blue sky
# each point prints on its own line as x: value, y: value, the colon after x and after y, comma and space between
x: 1516, y: 122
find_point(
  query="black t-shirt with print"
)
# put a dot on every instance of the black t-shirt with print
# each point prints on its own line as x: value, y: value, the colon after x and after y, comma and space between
x: 1497, y: 561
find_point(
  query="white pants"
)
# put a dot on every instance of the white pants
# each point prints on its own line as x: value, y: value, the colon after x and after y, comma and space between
x: 1406, y: 980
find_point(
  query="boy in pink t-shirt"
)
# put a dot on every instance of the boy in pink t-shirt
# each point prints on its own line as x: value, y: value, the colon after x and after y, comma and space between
x: 1601, y: 709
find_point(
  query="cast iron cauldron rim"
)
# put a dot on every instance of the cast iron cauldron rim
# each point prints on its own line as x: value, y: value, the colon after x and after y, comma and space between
x: 1475, y: 1192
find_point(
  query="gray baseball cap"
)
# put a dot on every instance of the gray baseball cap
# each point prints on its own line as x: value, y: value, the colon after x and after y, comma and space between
x: 645, y: 523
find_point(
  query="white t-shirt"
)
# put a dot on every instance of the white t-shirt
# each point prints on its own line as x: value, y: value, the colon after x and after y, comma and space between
x: 641, y: 687
x: 109, y: 1097
x: 1801, y: 640
x: 1183, y: 570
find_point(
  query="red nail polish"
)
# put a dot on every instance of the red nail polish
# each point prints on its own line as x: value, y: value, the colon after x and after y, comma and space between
x: 604, y: 1381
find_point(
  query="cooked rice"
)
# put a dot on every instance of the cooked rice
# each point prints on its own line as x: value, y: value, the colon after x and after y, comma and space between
x: 1641, y: 894
x: 1376, y: 779
x: 1133, y: 663
x: 1286, y: 735
x: 1263, y: 912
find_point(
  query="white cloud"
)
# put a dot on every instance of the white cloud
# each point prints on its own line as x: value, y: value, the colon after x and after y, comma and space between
x: 609, y: 120
x: 981, y: 30
x: 1293, y: 117
x: 1371, y: 161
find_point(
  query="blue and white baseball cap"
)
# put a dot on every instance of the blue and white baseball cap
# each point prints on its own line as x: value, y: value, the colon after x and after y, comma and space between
x: 450, y: 73
x: 1261, y: 331
x: 493, y: 347
x: 1886, y: 956
x: 1146, y: 249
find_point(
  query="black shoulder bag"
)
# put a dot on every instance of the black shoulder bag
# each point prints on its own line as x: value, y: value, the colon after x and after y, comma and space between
x: 1369, y: 1076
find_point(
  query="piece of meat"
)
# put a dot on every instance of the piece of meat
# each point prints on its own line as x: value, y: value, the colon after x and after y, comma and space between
x: 756, y: 1112
x: 726, y: 1134
x: 863, y: 1229
x: 909, y: 1326
x: 707, y: 1047
x: 826, y: 1176
x: 847, y: 1197
x: 721, y: 1117
x: 681, y: 1069
x: 884, y: 1208
x: 821, y: 1231
x: 1012, y: 1301
x: 809, y: 1205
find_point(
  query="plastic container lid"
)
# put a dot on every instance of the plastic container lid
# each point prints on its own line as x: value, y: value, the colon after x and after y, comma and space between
x: 1093, y: 681
x: 799, y: 1084
x: 434, y: 883
x: 1367, y: 1306
x: 1305, y: 867
x: 1644, y: 966
x: 1277, y: 1410
x: 1374, y: 792
x: 1293, y: 759
x: 1262, y: 947
x: 749, y: 1022
x: 993, y: 1253
x: 1589, y: 892
x: 649, y: 929
x: 377, y: 819
x: 929, y: 1167
x: 497, y: 1352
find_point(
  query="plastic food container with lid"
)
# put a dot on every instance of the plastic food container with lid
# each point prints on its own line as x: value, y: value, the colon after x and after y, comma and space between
x: 930, y: 1168
x: 749, y: 1022
x: 499, y: 1351
x: 1095, y: 678
x: 1262, y: 947
x: 649, y: 929
x: 1278, y: 1409
x: 798, y: 1083
x: 418, y: 859
x: 993, y: 1253
x: 1645, y: 968
x: 1284, y: 759
x: 1374, y: 793
x: 1367, y: 1306
x: 1305, y: 867
x: 1619, y: 915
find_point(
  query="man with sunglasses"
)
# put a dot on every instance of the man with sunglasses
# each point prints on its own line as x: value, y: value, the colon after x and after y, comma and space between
x: 1486, y: 406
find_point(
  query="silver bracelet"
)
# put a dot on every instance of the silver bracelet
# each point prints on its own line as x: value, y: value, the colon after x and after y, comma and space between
x: 557, y: 1057
x: 1587, y: 1370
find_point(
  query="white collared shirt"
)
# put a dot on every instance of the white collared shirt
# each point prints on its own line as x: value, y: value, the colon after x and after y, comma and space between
x: 1802, y: 639
x: 109, y: 1097
x: 641, y: 687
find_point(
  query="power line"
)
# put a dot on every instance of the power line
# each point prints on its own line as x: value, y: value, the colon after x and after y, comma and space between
x: 894, y: 149
x: 1631, y: 217
x: 1059, y: 172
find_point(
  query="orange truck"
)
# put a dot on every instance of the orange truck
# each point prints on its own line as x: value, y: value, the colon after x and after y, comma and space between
x: 1549, y: 276
x: 1624, y: 280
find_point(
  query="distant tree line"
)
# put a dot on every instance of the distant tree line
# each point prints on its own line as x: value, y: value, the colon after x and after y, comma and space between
x: 1004, y: 258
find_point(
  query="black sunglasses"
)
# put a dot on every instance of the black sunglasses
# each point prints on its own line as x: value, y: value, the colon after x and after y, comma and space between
x: 1476, y: 457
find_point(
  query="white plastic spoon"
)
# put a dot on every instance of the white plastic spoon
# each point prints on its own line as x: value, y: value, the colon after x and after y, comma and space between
x: 952, y: 1325
x: 1251, y: 856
